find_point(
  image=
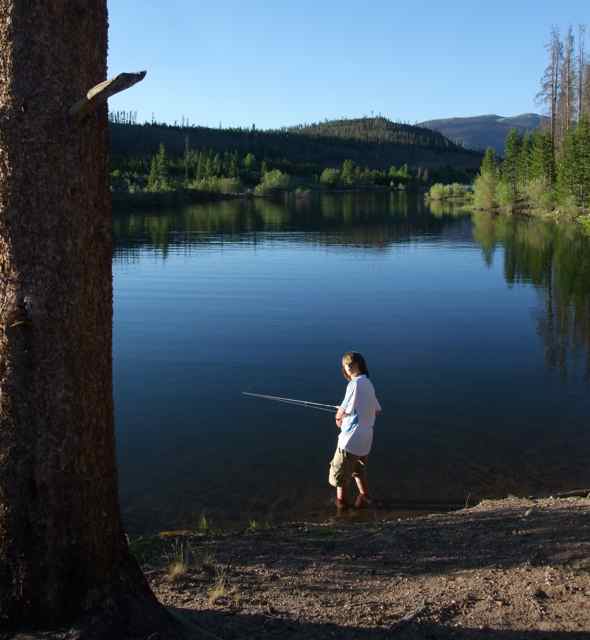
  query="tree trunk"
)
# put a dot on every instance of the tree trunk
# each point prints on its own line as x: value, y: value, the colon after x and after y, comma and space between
x: 62, y: 547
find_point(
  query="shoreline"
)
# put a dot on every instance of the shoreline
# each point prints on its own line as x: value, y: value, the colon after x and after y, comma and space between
x: 140, y: 199
x: 511, y: 568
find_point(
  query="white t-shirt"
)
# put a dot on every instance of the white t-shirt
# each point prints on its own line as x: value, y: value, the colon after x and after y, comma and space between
x: 360, y: 405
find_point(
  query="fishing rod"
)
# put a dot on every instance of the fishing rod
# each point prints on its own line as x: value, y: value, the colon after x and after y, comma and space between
x: 330, y: 408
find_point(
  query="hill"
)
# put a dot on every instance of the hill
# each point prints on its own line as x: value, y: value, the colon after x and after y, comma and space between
x: 480, y: 132
x: 373, y: 142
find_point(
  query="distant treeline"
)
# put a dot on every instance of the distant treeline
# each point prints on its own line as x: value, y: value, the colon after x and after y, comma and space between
x: 374, y: 143
x: 548, y: 170
x: 231, y: 172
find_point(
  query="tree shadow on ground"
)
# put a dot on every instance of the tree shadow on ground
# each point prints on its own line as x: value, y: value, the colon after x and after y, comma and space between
x: 233, y: 626
x: 425, y: 546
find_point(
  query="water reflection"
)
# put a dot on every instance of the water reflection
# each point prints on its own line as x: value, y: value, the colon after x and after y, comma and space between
x: 556, y: 259
x: 263, y: 296
x: 365, y: 220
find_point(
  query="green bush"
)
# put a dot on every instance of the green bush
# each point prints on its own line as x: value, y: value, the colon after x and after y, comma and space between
x: 539, y: 194
x: 271, y: 181
x: 441, y: 191
x: 217, y: 185
x: 437, y: 192
x: 505, y: 196
x: 585, y: 222
x: 330, y: 177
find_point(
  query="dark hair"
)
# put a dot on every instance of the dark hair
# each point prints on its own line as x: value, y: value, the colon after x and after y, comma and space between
x: 356, y: 362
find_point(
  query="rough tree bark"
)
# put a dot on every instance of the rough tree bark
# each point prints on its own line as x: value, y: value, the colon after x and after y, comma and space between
x: 62, y: 548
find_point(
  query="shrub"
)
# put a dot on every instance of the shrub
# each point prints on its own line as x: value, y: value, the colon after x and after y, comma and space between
x: 539, y: 194
x: 441, y: 191
x: 330, y: 177
x: 273, y: 180
x: 437, y: 192
x: 505, y: 196
x: 217, y: 185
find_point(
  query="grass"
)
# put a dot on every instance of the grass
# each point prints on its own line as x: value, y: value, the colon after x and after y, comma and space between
x: 179, y: 558
x: 204, y: 524
x: 256, y: 525
x: 221, y: 588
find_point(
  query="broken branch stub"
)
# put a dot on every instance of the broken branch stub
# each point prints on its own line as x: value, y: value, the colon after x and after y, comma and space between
x: 103, y: 91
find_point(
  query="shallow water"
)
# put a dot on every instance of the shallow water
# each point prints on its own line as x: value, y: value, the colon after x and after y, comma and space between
x: 476, y: 330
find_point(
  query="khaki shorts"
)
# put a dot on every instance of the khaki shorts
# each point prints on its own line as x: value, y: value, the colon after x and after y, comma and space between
x: 345, y: 466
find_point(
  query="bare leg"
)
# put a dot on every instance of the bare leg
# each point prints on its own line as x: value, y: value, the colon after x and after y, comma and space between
x: 341, y: 494
x: 362, y: 486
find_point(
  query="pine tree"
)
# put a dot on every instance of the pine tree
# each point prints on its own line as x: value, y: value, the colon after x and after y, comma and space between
x: 63, y: 551
x: 583, y: 160
x: 158, y: 176
x: 574, y: 165
x: 512, y: 159
x: 347, y: 173
x: 486, y: 182
x: 542, y: 158
x: 566, y: 168
x: 525, y: 159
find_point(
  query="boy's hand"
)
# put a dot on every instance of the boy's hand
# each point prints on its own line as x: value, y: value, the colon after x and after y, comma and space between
x: 338, y: 421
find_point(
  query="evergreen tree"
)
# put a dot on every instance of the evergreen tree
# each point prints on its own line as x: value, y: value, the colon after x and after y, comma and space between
x: 542, y: 165
x: 64, y: 556
x: 583, y: 159
x: 347, y: 173
x: 574, y: 166
x: 525, y: 159
x: 486, y: 182
x: 512, y: 161
x: 158, y: 177
x: 249, y: 162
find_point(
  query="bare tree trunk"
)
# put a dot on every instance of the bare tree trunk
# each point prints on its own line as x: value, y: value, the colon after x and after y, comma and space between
x: 567, y: 83
x: 581, y: 68
x: 62, y: 548
x: 549, y: 92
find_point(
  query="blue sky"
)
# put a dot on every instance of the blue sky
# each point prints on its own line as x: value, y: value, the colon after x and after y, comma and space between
x: 282, y: 63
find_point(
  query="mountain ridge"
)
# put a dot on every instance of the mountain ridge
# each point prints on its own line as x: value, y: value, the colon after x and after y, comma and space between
x: 483, y: 131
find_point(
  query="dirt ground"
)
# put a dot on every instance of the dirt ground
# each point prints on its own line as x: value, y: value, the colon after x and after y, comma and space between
x: 508, y: 569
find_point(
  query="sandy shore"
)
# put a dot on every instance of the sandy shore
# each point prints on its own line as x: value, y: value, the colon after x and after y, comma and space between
x: 505, y: 569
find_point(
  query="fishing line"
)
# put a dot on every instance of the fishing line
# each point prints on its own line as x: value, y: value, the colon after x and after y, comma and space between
x: 318, y: 406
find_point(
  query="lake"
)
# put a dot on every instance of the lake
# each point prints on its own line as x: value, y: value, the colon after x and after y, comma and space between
x: 476, y: 330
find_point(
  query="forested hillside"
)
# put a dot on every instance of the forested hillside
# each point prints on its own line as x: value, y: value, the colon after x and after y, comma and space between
x: 378, y: 130
x: 371, y: 142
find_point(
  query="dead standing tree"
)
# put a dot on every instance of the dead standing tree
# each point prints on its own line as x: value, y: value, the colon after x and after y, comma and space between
x: 62, y: 548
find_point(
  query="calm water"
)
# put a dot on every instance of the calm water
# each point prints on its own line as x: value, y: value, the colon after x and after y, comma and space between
x: 476, y: 331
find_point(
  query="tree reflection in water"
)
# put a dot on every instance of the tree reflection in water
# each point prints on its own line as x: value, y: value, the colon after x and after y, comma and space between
x: 553, y: 258
x: 556, y: 259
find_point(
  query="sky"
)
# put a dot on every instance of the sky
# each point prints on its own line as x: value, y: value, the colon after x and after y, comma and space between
x: 274, y: 64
